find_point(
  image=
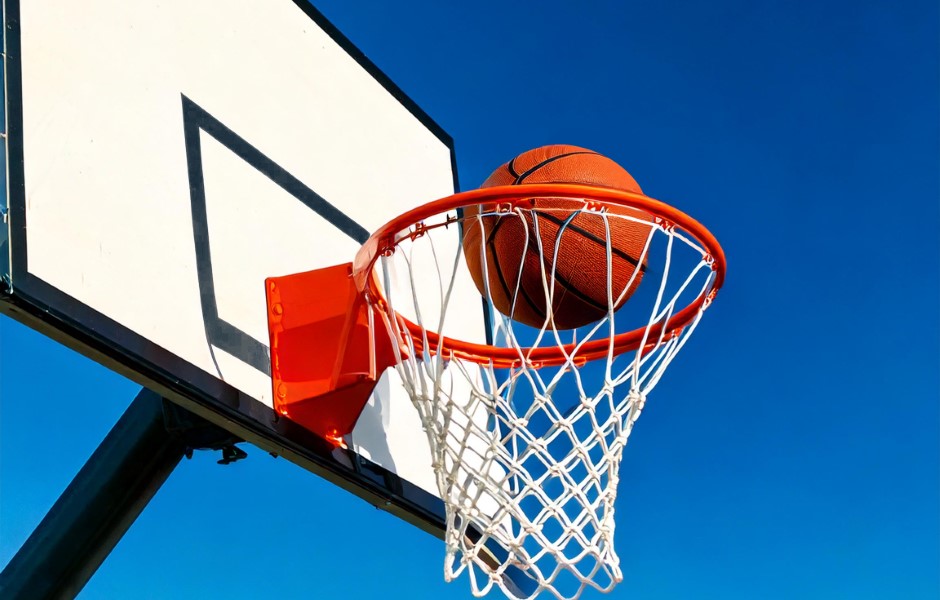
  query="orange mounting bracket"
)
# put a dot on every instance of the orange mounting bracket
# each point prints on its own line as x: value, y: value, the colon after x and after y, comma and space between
x: 325, y: 356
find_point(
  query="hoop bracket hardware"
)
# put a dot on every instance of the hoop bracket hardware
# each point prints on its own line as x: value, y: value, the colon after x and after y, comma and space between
x: 335, y: 360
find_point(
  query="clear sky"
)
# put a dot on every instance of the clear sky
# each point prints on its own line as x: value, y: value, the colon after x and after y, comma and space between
x: 792, y: 449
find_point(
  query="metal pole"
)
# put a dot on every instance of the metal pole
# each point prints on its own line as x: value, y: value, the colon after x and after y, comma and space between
x: 100, y: 503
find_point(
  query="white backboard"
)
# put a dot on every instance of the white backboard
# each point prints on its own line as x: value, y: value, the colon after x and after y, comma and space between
x: 164, y: 158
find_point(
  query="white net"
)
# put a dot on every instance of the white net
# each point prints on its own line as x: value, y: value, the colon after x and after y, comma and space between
x: 527, y: 451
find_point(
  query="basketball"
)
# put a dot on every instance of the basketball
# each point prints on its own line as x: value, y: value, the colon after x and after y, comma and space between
x: 579, y: 281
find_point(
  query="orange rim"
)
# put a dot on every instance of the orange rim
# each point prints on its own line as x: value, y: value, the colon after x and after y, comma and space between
x: 384, y: 241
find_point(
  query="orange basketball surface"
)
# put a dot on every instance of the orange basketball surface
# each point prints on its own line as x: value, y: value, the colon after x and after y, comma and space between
x: 554, y: 251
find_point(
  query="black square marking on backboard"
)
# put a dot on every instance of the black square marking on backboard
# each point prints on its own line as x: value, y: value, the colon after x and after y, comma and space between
x: 219, y: 332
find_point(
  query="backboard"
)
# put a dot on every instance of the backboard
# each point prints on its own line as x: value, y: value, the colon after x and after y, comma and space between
x: 164, y: 159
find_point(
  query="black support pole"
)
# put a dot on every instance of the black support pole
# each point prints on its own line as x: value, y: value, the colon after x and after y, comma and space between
x: 99, y: 505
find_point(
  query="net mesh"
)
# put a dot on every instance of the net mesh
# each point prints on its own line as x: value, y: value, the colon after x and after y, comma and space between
x: 527, y: 456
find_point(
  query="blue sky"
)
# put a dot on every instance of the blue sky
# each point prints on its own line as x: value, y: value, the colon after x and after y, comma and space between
x: 792, y: 448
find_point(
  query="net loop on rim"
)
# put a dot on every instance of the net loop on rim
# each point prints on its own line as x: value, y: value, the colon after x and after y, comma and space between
x: 527, y: 427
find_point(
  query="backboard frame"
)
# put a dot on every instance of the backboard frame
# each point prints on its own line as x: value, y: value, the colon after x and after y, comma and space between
x: 61, y: 317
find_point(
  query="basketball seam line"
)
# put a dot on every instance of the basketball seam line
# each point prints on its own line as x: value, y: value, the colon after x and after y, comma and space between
x: 491, y: 242
x: 567, y: 285
x: 511, y: 167
x: 520, y: 178
x: 597, y: 240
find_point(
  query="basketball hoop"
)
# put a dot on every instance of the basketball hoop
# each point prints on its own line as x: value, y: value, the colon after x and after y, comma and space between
x: 527, y: 427
x: 413, y: 225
